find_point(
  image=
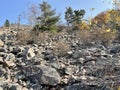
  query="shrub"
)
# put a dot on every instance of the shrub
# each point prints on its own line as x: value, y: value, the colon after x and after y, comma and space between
x: 83, y: 26
x: 84, y: 36
x: 23, y: 37
x: 38, y: 38
x: 100, y: 36
x: 103, y: 36
x: 61, y: 48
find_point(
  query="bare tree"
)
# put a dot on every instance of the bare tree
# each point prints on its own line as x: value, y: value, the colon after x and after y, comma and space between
x: 33, y: 13
x: 19, y: 19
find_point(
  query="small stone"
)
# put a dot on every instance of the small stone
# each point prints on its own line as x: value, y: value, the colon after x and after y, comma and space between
x: 83, y: 77
x: 69, y: 52
x: 69, y: 70
x: 81, y: 60
x: 1, y: 43
x: 65, y: 81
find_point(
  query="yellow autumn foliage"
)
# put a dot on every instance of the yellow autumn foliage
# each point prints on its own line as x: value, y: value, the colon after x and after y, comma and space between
x: 103, y: 17
x: 118, y: 88
x: 83, y: 26
x: 107, y: 18
x: 104, y: 35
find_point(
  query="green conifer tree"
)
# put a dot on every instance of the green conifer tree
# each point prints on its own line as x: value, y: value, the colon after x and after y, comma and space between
x: 7, y: 23
x: 48, y: 19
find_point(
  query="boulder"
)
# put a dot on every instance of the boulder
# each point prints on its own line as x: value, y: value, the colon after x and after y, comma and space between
x: 42, y: 74
x: 15, y: 87
x: 3, y: 49
x: 1, y: 43
x: 1, y: 88
x: 17, y: 49
x: 9, y: 60
x: 70, y: 70
x: 50, y: 77
x: 2, y: 35
x: 1, y: 59
x: 2, y: 71
x: 48, y: 55
x: 77, y: 55
x: 3, y: 85
x: 115, y: 49
x: 30, y: 52
x: 26, y: 53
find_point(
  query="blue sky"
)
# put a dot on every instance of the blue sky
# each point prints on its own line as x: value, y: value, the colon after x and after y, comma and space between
x: 10, y: 9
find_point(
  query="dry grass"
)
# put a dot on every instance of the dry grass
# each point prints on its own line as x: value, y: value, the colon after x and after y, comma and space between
x: 61, y: 48
x: 23, y: 37
x: 40, y: 38
x: 99, y: 36
x: 103, y: 37
x: 84, y: 36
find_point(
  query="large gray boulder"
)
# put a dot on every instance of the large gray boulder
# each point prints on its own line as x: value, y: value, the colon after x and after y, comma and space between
x: 77, y: 54
x: 42, y: 74
x: 15, y: 87
x: 115, y: 49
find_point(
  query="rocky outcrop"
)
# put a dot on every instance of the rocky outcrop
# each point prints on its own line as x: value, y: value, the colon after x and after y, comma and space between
x: 37, y: 67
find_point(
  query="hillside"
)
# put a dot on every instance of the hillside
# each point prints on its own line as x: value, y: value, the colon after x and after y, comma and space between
x: 60, y: 51
x: 58, y: 62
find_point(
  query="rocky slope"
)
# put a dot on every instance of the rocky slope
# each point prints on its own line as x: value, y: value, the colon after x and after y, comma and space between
x: 39, y: 67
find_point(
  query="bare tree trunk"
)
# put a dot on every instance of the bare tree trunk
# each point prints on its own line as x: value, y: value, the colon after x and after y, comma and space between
x: 19, y: 22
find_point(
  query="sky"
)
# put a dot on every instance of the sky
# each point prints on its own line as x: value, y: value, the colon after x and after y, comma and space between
x: 11, y: 9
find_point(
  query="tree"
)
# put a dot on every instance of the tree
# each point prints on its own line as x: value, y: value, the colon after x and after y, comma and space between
x: 47, y: 20
x: 33, y: 13
x: 78, y: 15
x: 69, y: 16
x: 19, y: 19
x: 108, y: 19
x: 7, y: 23
x: 73, y: 17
